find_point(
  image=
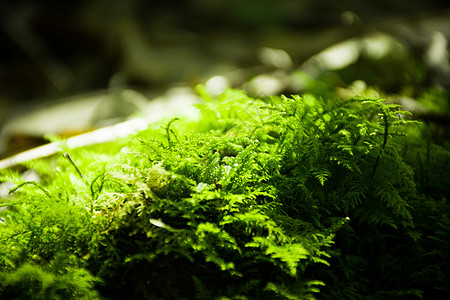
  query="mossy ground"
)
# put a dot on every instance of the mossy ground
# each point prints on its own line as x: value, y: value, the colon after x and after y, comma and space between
x: 282, y: 198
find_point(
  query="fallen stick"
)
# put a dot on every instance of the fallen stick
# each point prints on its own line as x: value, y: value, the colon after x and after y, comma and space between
x: 98, y: 136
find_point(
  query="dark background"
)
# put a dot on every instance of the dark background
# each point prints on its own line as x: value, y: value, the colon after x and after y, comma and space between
x: 63, y: 47
x: 55, y: 49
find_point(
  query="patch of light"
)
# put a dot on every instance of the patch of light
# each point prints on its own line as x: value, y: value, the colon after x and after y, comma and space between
x: 349, y: 17
x: 358, y: 87
x: 437, y: 54
x: 216, y: 85
x: 277, y: 58
x: 339, y: 56
x: 378, y: 46
x: 265, y: 84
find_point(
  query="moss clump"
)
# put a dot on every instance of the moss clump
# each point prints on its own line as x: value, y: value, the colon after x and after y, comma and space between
x: 166, y: 184
x: 276, y: 199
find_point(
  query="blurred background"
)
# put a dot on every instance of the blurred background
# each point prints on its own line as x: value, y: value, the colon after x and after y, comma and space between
x: 68, y: 67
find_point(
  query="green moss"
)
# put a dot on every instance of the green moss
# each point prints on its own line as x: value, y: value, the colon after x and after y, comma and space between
x: 280, y: 198
x: 165, y: 184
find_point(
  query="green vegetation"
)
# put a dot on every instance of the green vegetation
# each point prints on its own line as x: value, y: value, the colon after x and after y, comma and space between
x: 283, y: 198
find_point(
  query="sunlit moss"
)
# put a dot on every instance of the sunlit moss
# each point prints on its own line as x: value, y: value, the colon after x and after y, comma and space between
x: 280, y: 198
